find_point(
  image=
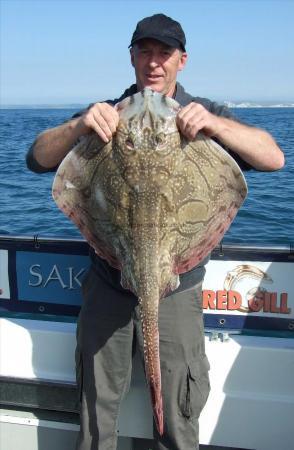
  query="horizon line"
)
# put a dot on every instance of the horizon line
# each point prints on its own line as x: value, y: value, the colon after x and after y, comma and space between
x: 229, y: 103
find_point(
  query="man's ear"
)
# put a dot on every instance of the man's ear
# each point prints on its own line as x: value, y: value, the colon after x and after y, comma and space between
x: 183, y: 60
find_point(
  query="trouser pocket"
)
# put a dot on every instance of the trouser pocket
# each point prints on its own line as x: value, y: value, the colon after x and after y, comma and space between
x: 196, y: 389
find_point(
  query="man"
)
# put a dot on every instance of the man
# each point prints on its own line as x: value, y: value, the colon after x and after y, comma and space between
x: 109, y: 317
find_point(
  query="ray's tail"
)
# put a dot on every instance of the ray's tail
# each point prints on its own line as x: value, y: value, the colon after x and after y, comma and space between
x: 147, y: 277
x: 149, y: 317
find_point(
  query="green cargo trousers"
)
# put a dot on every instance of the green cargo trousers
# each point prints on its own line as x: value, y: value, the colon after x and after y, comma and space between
x: 108, y: 326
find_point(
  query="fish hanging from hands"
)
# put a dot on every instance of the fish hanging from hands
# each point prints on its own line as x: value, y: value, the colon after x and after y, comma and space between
x: 152, y: 204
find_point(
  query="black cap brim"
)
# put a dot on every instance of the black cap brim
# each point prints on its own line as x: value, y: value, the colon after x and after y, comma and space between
x: 171, y: 42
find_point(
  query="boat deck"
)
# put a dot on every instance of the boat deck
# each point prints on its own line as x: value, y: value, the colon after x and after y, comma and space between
x: 248, y: 306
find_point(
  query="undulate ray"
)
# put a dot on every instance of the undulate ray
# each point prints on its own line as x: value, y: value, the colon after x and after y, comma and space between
x: 151, y: 204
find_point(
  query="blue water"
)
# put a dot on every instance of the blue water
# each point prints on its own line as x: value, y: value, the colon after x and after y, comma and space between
x: 267, y: 216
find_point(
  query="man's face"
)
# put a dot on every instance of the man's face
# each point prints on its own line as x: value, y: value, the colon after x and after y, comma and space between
x: 156, y: 65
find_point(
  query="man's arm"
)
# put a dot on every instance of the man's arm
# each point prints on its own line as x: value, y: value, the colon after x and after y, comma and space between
x: 52, y: 145
x: 253, y: 145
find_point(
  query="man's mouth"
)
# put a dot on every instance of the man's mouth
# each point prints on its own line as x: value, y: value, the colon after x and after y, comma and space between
x: 153, y: 77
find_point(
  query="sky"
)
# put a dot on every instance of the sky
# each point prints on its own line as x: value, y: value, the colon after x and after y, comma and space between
x: 76, y: 51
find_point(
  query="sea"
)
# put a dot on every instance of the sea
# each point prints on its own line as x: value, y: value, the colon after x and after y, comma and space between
x: 27, y: 207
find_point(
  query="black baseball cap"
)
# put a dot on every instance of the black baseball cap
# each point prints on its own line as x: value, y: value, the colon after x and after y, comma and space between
x: 163, y: 29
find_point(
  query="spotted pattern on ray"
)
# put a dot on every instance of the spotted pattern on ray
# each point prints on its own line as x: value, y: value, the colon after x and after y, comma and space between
x: 152, y: 204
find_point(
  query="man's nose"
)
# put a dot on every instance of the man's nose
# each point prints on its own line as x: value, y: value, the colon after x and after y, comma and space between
x: 153, y: 60
x: 153, y: 63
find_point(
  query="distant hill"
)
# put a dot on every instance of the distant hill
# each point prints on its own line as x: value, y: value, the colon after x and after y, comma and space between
x: 258, y: 105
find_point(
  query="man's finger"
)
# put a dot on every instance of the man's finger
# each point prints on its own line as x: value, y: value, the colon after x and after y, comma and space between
x: 111, y: 117
x: 190, y: 122
x: 102, y: 125
x: 191, y: 130
x: 102, y: 118
x: 96, y: 127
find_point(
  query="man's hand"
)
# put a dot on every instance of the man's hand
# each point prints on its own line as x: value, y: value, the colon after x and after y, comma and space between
x: 52, y: 145
x: 253, y: 145
x: 102, y: 118
x: 193, y: 118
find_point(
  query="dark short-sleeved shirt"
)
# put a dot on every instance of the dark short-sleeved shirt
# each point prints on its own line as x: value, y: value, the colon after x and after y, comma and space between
x: 101, y: 267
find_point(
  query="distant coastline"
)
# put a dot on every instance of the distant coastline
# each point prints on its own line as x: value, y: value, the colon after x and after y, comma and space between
x: 258, y: 105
